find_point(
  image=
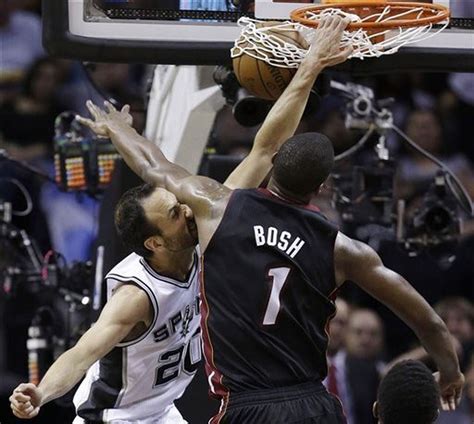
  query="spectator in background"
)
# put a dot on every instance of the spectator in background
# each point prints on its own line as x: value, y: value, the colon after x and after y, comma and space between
x: 336, y: 382
x: 338, y: 327
x: 20, y: 34
x: 464, y: 414
x: 329, y: 120
x: 359, y: 361
x: 364, y: 345
x: 458, y: 103
x: 27, y: 123
x: 416, y: 171
x: 458, y: 315
x: 408, y: 394
x: 112, y: 79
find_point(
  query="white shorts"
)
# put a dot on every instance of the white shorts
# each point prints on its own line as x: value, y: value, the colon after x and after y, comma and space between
x: 171, y: 415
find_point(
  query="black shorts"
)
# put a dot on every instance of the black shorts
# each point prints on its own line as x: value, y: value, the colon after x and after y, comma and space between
x: 307, y: 403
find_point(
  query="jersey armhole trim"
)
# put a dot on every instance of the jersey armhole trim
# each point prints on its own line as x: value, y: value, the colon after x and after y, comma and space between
x: 151, y: 296
x: 182, y: 284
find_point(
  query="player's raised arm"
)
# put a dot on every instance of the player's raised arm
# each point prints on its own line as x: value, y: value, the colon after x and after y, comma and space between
x: 126, y: 308
x: 285, y: 115
x: 148, y: 161
x: 357, y: 262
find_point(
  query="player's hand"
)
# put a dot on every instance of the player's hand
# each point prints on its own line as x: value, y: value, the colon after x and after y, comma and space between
x: 451, y: 389
x: 25, y: 401
x: 325, y: 47
x: 104, y: 122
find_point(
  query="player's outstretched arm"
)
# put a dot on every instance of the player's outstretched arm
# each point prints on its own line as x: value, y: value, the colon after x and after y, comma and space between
x: 357, y: 262
x: 285, y: 115
x: 148, y: 161
x: 126, y: 308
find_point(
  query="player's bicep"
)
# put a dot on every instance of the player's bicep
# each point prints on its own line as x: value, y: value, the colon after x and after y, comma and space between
x: 199, y: 193
x: 251, y: 171
x: 124, y: 310
x: 362, y: 265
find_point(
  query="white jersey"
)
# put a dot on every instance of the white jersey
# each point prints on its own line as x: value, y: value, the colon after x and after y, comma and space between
x: 139, y: 379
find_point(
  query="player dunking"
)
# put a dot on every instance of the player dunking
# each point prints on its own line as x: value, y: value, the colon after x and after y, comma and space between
x: 271, y: 266
x: 143, y: 350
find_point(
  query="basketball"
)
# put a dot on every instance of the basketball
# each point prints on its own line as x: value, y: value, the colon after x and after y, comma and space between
x: 262, y: 79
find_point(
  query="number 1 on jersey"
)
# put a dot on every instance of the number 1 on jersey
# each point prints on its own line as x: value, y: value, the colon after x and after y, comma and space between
x: 279, y: 276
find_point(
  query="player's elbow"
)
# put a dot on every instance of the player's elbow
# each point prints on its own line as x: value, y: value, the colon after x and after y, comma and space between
x: 153, y: 175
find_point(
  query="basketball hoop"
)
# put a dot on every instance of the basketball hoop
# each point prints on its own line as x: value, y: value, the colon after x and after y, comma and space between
x: 376, y: 28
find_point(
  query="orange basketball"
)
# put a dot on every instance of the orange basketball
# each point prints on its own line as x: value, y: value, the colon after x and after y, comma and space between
x: 262, y: 79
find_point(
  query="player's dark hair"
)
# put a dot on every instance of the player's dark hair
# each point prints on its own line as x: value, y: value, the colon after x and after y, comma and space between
x: 303, y: 163
x: 131, y: 222
x: 408, y: 394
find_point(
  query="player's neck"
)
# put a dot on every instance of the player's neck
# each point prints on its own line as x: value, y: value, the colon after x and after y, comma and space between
x: 173, y: 264
x: 285, y: 195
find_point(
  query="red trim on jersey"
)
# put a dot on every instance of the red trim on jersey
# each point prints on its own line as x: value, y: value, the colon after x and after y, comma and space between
x: 222, y: 410
x: 308, y: 206
x: 217, y: 388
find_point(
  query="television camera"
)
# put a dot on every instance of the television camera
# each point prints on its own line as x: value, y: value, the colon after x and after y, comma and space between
x: 366, y: 196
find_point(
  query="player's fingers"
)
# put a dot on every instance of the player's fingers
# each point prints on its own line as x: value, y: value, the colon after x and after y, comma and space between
x: 342, y: 25
x: 17, y: 413
x: 93, y: 109
x: 336, y: 20
x: 125, y: 109
x: 323, y: 22
x: 109, y: 106
x: 34, y: 413
x: 15, y: 402
x: 27, y: 409
x: 452, y: 403
x: 84, y: 121
x: 24, y: 387
x: 444, y: 403
x: 21, y: 397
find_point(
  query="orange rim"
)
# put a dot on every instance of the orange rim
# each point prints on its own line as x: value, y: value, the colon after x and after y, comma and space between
x: 299, y: 15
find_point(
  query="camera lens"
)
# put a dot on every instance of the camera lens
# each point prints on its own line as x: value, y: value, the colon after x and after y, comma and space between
x: 437, y: 219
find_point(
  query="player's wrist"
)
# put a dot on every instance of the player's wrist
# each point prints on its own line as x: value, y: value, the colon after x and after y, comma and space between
x: 41, y: 396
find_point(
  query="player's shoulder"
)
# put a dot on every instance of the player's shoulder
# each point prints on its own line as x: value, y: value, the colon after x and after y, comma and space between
x: 349, y: 246
x: 126, y: 268
x: 131, y: 293
x: 348, y: 251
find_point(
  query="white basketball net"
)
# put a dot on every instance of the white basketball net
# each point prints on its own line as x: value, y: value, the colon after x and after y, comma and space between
x: 263, y: 43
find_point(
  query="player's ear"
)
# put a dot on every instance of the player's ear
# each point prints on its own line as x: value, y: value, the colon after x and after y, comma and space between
x: 375, y: 410
x: 153, y: 243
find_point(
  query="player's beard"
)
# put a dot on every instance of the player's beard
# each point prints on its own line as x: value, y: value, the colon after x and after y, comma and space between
x: 187, y: 241
x: 193, y: 231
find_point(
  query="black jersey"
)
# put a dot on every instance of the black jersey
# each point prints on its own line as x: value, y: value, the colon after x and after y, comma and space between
x: 268, y: 278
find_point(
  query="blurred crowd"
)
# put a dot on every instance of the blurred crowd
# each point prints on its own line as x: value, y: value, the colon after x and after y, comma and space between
x: 435, y: 110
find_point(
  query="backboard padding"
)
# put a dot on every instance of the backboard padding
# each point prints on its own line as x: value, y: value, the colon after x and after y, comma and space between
x: 69, y: 33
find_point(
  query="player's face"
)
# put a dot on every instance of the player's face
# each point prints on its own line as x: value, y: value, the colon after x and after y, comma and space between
x: 175, y: 221
x: 459, y: 325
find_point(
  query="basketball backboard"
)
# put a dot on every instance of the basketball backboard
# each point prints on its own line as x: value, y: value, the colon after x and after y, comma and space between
x: 202, y: 32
